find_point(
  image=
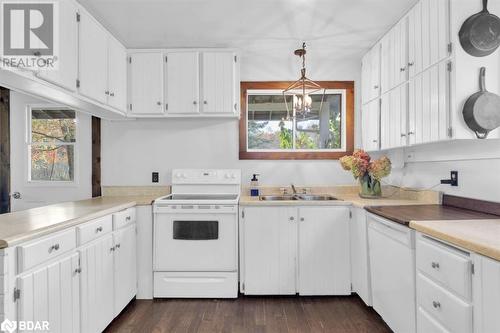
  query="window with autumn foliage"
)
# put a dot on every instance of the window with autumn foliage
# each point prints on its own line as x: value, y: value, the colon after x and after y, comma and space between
x: 270, y: 128
x: 51, y: 145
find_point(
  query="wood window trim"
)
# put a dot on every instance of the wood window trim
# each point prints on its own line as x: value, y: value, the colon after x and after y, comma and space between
x: 348, y: 86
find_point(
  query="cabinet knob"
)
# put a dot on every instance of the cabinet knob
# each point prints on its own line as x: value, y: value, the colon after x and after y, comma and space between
x: 54, y: 247
x: 78, y: 270
x: 302, y: 219
x: 374, y: 141
x: 117, y: 246
x: 158, y: 103
x: 195, y: 102
x: 411, y: 133
x: 411, y: 64
x: 112, y: 94
x: 435, y: 265
x: 99, y: 229
x: 292, y: 218
x: 107, y: 92
x: 205, y: 102
x: 112, y: 249
x: 436, y: 304
x: 375, y: 87
x: 402, y: 69
x: 403, y: 135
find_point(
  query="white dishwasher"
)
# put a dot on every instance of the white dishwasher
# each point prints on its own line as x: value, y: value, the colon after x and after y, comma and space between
x: 392, y: 265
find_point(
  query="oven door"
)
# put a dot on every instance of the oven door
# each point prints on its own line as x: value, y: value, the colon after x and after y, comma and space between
x: 199, y: 242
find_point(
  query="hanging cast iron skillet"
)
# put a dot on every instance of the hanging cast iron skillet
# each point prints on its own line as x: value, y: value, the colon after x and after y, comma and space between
x: 482, y: 110
x: 480, y: 33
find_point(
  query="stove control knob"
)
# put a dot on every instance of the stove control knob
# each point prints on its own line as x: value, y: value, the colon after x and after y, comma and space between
x: 233, y: 176
x: 184, y: 175
x: 227, y: 176
x: 177, y: 175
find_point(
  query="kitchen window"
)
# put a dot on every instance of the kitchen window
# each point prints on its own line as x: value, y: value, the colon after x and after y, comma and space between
x: 269, y: 131
x: 51, y: 145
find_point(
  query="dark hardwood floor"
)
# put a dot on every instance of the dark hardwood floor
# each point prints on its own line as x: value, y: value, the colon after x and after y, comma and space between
x: 250, y: 314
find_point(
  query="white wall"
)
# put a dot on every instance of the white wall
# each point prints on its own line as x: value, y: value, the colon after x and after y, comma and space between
x: 39, y: 195
x: 131, y: 150
x: 477, y: 163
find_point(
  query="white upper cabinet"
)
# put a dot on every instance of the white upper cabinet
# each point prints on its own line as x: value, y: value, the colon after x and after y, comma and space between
x: 218, y: 82
x: 66, y: 74
x: 117, y: 75
x: 93, y: 59
x: 366, y: 73
x: 146, y: 84
x: 371, y: 72
x: 370, y: 119
x: 182, y: 82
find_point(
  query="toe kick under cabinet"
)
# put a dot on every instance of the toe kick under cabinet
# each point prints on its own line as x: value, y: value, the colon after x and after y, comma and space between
x: 285, y: 250
x: 75, y: 280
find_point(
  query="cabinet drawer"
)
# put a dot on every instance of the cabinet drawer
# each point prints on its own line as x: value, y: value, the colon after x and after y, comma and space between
x: 454, y: 313
x: 427, y: 324
x: 92, y: 230
x: 123, y: 218
x: 445, y: 265
x: 46, y: 248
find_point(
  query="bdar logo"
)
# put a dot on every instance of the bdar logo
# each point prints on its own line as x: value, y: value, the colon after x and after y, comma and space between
x: 8, y: 326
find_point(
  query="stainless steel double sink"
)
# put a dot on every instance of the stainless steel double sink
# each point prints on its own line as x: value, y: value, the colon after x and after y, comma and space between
x: 297, y: 197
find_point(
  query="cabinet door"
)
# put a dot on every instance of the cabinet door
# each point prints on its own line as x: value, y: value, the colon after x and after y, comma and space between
x: 96, y: 285
x: 439, y: 30
x: 125, y: 269
x: 270, y: 246
x: 218, y: 78
x: 182, y: 83
x: 366, y: 85
x: 52, y: 294
x: 395, y: 118
x: 146, y: 83
x: 426, y: 34
x: 117, y: 75
x: 403, y: 49
x: 486, y: 294
x: 66, y: 74
x: 93, y: 59
x: 360, y: 274
x: 324, y: 266
x: 371, y: 125
x: 375, y: 72
x: 415, y: 40
x: 403, y: 121
x: 385, y: 121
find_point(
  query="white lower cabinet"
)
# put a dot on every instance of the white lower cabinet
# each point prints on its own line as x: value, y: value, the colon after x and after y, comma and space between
x: 288, y: 250
x: 50, y: 294
x: 486, y: 291
x: 444, y: 283
x: 96, y: 285
x: 324, y: 261
x: 125, y: 267
x: 360, y: 263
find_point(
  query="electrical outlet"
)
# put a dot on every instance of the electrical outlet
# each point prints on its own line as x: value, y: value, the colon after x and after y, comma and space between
x: 155, y: 177
x: 453, y: 181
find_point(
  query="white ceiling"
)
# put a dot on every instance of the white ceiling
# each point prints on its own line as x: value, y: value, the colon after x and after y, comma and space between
x: 337, y: 30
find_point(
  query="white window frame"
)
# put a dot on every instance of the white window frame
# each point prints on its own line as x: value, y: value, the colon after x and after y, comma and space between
x: 343, y: 117
x: 28, y: 144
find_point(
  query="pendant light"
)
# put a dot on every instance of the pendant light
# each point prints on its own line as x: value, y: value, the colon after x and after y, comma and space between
x: 301, y: 91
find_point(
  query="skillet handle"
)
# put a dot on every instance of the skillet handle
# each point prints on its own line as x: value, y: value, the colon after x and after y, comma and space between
x: 482, y: 79
x: 481, y: 135
x: 485, y: 6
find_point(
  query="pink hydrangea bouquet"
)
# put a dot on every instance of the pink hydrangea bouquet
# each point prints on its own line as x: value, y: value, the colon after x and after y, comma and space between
x: 367, y: 171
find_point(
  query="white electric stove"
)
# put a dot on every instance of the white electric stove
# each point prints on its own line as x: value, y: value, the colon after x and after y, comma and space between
x: 196, y: 235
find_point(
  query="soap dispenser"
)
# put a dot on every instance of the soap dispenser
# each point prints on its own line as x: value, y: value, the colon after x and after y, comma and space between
x: 254, y: 186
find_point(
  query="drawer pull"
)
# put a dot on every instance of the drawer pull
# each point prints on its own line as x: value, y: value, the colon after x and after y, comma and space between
x: 436, y: 305
x: 54, y: 247
x: 117, y: 246
x: 78, y: 271
x: 112, y: 249
x: 128, y: 218
x: 435, y: 265
x: 99, y: 229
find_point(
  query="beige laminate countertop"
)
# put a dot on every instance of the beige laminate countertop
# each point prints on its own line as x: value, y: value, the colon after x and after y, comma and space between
x: 345, y: 199
x: 25, y: 225
x: 480, y: 236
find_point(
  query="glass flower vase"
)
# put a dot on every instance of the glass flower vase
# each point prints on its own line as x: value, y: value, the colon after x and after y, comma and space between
x: 370, y: 188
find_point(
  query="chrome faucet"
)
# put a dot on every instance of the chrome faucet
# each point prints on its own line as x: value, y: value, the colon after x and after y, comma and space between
x: 294, y: 189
